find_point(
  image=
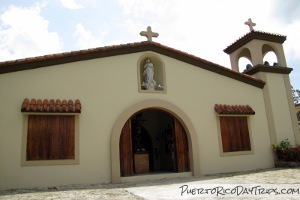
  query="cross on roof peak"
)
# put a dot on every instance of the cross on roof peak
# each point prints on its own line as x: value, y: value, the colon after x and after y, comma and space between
x: 250, y: 24
x: 149, y: 34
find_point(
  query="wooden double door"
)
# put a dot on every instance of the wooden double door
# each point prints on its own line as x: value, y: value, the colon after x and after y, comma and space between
x: 180, y: 149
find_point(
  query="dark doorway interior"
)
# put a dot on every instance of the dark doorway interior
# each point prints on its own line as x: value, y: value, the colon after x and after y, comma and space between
x: 152, y: 133
x: 158, y: 144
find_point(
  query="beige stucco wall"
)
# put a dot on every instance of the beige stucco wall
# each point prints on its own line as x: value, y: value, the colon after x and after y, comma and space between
x: 107, y: 87
x: 281, y: 110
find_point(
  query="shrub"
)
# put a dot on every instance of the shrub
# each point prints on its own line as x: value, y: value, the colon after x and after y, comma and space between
x: 286, y: 152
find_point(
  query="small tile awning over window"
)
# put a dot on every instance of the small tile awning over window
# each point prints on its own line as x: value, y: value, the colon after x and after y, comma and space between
x: 223, y: 109
x: 51, y: 106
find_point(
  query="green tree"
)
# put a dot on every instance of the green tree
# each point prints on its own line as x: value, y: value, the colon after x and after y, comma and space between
x: 296, y: 95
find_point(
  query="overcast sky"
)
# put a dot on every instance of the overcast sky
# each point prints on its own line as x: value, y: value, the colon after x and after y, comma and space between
x: 200, y: 27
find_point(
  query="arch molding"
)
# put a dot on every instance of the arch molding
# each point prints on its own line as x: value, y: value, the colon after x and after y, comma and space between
x: 150, y: 104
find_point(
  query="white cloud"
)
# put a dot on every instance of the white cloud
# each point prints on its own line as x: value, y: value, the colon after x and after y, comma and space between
x: 86, y: 39
x: 292, y: 44
x: 286, y: 10
x: 202, y: 28
x: 71, y: 4
x: 24, y: 32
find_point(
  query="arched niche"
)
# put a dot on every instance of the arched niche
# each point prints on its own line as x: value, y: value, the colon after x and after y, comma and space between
x: 269, y: 55
x: 244, y: 59
x: 159, y: 83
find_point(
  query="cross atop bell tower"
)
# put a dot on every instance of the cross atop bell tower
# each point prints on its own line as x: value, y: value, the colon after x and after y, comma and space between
x: 250, y: 24
x: 149, y: 34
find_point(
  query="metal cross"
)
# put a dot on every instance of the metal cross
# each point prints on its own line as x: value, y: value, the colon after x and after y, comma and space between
x: 149, y: 34
x: 250, y: 24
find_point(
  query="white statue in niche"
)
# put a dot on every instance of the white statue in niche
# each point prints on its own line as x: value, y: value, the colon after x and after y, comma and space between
x: 149, y: 82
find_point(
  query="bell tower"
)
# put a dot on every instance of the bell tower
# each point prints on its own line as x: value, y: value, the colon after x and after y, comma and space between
x: 279, y: 104
x: 254, y: 46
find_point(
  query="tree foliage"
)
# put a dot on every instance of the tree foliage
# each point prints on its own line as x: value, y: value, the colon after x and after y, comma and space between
x: 296, y: 95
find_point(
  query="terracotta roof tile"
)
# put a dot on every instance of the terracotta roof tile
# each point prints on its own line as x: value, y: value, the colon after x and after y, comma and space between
x: 223, y: 109
x: 260, y: 35
x: 51, y: 106
x: 68, y: 57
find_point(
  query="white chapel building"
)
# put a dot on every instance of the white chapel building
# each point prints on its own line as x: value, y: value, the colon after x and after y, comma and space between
x: 141, y: 111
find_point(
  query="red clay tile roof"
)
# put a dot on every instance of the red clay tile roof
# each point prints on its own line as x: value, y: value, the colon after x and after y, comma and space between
x: 259, y: 35
x: 51, y: 106
x: 61, y: 58
x: 223, y: 109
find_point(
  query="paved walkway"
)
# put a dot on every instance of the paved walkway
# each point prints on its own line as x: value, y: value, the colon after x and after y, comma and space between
x: 262, y: 184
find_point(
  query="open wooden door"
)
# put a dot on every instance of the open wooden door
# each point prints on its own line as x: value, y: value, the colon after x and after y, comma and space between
x: 182, y: 148
x: 126, y: 155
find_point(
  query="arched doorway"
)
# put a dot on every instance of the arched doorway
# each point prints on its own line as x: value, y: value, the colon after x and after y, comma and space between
x: 172, y: 109
x: 153, y: 141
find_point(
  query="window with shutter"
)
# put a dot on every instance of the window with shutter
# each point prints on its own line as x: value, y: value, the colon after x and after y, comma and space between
x: 235, y: 134
x: 50, y: 132
x: 50, y: 137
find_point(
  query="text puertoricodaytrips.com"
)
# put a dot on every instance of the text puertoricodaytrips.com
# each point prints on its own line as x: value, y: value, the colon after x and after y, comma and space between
x: 238, y: 190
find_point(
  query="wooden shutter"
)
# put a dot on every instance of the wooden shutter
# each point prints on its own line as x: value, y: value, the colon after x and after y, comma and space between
x: 244, y: 131
x: 37, y: 138
x: 235, y: 134
x: 182, y: 148
x: 126, y: 155
x: 66, y: 129
x: 50, y: 137
x: 225, y: 131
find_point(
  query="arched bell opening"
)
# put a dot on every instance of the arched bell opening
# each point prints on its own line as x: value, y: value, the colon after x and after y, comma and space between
x: 269, y: 56
x: 244, y: 64
x: 244, y: 60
